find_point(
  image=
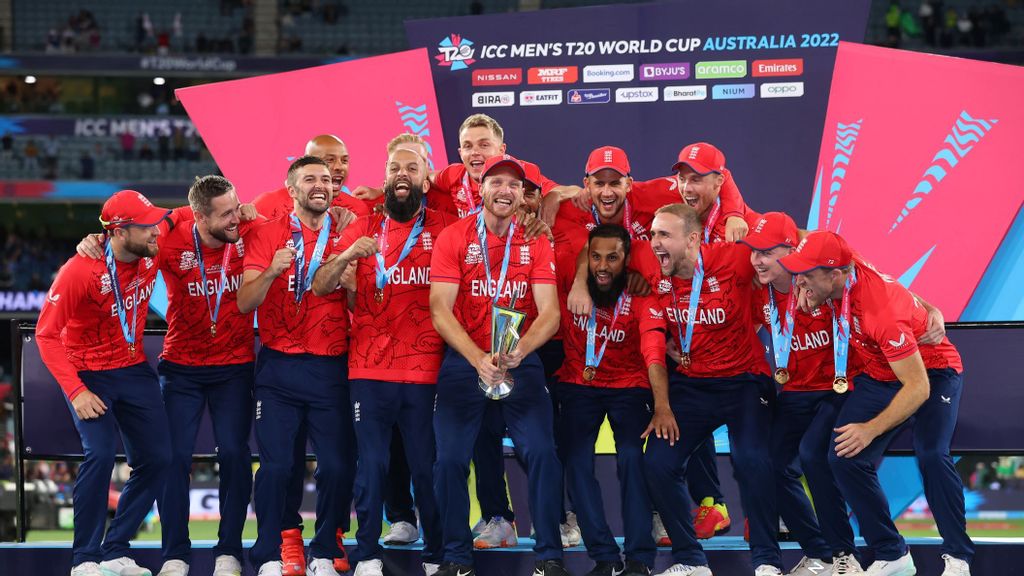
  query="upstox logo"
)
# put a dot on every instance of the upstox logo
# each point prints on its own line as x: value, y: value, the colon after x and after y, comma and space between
x: 722, y: 69
x: 636, y: 95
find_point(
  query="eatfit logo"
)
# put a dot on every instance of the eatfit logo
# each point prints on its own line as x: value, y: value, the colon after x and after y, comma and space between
x: 455, y: 52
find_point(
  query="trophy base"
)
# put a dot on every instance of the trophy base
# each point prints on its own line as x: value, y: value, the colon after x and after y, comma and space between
x: 501, y: 390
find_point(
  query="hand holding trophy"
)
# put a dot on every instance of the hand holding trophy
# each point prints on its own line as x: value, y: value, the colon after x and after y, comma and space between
x: 505, y: 324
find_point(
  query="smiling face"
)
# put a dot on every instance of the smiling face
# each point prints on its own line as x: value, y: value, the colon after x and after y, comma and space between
x: 223, y: 218
x: 139, y: 240
x: 673, y: 243
x: 476, y: 145
x: 312, y: 189
x: 607, y: 262
x: 766, y: 264
x: 608, y: 190
x: 335, y: 153
x: 699, y: 192
x: 502, y: 191
x: 403, y: 188
x: 820, y: 284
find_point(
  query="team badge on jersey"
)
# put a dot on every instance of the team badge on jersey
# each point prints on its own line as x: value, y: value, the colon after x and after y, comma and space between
x: 473, y: 254
x: 427, y: 241
x: 713, y: 284
x: 105, y: 286
x: 664, y: 286
x: 524, y: 255
x: 240, y: 247
x: 148, y: 262
x: 290, y: 243
x: 188, y: 261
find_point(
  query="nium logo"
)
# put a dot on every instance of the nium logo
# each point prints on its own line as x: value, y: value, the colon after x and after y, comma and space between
x: 540, y: 98
x: 498, y: 77
x: 682, y: 93
x: 590, y: 96
x: 608, y: 73
x: 456, y: 52
x: 493, y: 99
x: 636, y: 95
x: 782, y: 90
x: 553, y: 75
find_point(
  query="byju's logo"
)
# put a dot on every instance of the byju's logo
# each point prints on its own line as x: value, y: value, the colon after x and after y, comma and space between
x: 455, y: 52
x: 590, y: 96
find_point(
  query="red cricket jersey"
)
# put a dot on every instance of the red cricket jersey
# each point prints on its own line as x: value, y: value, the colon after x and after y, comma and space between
x: 452, y: 190
x: 78, y: 326
x: 649, y: 195
x: 811, y: 366
x: 189, y: 340
x: 320, y: 324
x: 458, y: 259
x: 395, y: 340
x: 724, y: 342
x: 275, y: 204
x: 885, y: 321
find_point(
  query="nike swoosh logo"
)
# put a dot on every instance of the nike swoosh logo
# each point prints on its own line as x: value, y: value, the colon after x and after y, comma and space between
x: 461, y: 573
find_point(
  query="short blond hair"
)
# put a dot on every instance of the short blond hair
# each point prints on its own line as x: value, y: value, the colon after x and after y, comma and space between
x: 686, y: 213
x: 485, y: 121
x: 405, y: 138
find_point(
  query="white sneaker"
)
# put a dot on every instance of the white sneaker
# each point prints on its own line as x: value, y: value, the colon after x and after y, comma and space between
x: 87, y: 569
x: 658, y: 531
x: 479, y: 527
x: 321, y: 567
x: 227, y: 565
x: 123, y: 566
x: 570, y: 531
x: 372, y: 567
x: 811, y: 567
x: 684, y: 570
x: 846, y: 565
x: 902, y: 566
x: 955, y: 566
x: 402, y: 533
x: 498, y: 533
x: 174, y: 568
x: 272, y: 568
x: 429, y: 568
x: 767, y: 570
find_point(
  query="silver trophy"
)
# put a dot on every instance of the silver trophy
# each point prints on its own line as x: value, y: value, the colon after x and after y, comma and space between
x: 505, y: 324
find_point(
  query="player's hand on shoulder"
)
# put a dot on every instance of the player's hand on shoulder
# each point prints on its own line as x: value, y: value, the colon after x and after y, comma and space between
x: 735, y: 229
x: 248, y: 212
x: 636, y: 284
x: 367, y: 193
x: 533, y: 226
x: 579, y: 301
x: 91, y: 246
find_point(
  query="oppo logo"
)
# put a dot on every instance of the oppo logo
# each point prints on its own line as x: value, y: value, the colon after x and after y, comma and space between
x: 782, y: 90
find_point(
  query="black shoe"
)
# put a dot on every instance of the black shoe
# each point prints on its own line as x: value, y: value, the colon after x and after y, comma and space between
x: 453, y: 569
x: 550, y: 568
x: 605, y: 568
x: 636, y: 568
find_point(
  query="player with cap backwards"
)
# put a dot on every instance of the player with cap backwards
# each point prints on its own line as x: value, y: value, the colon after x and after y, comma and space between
x: 721, y: 378
x: 614, y: 358
x: 301, y: 372
x: 394, y: 351
x: 481, y: 261
x: 902, y: 378
x: 806, y: 409
x: 90, y: 335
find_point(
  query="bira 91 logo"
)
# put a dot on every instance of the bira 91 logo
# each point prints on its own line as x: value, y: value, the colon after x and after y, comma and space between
x: 456, y: 52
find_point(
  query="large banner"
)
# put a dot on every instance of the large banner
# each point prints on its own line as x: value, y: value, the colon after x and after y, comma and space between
x: 255, y: 127
x: 916, y: 171
x: 750, y: 77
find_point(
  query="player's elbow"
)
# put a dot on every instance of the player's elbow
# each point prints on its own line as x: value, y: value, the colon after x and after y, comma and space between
x: 245, y: 302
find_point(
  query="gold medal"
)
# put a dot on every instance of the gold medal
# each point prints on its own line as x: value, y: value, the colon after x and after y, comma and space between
x: 378, y: 296
x: 589, y: 373
x: 782, y: 376
x: 840, y: 385
x: 684, y: 360
x: 131, y: 350
x: 213, y: 329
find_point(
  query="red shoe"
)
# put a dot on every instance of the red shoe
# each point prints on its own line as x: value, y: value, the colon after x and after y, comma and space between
x: 712, y: 519
x: 341, y: 563
x: 293, y: 553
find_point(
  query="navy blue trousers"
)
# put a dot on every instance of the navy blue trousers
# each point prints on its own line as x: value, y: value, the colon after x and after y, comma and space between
x: 933, y: 424
x: 701, y: 405
x: 136, y: 413
x: 702, y: 474
x: 583, y: 410
x: 227, y: 390
x: 398, y: 501
x: 458, y: 417
x: 291, y: 389
x: 489, y: 465
x: 801, y: 432
x: 376, y: 408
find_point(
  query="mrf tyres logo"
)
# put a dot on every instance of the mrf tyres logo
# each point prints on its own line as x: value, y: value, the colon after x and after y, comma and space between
x: 456, y: 52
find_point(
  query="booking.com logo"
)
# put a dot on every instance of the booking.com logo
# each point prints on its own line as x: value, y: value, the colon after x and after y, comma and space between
x: 456, y: 52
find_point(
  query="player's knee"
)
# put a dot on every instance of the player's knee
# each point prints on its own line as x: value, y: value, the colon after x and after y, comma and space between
x: 930, y: 457
x: 657, y: 469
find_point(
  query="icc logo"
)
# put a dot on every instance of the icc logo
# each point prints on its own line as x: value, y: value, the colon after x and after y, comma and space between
x: 456, y: 52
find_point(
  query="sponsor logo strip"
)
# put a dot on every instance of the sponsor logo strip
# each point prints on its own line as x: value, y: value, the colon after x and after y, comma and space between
x: 722, y: 69
x: 540, y: 98
x: 782, y: 90
x: 493, y: 99
x: 608, y: 73
x: 790, y: 67
x: 732, y: 91
x: 667, y: 71
x: 682, y: 93
x: 589, y: 96
x: 553, y: 75
x: 498, y: 77
x: 636, y: 94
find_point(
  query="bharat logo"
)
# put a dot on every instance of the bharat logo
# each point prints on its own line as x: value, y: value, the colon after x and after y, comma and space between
x: 456, y: 52
x: 553, y: 75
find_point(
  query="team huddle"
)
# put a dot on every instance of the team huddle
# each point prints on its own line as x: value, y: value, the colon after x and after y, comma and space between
x: 405, y: 330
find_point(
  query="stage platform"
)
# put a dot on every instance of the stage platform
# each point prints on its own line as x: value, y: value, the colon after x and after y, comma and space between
x: 728, y: 556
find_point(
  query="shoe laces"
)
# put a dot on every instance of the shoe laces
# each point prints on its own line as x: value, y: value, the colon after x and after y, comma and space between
x: 841, y: 564
x: 955, y: 563
x: 292, y: 549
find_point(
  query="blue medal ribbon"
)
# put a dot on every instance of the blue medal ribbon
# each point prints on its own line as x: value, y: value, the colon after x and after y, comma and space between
x: 481, y: 232
x: 782, y: 334
x: 841, y: 327
x: 695, y: 287
x: 592, y: 359
x: 383, y: 273
x: 627, y: 218
x: 115, y: 287
x: 215, y: 310
x: 304, y: 275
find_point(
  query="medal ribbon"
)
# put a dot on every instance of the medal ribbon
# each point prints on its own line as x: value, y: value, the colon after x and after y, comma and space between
x: 304, y: 275
x: 593, y: 360
x: 481, y: 232
x: 215, y: 310
x: 627, y: 218
x: 841, y: 327
x: 695, y: 287
x: 115, y: 287
x: 473, y: 208
x: 782, y: 334
x: 712, y: 220
x: 384, y: 274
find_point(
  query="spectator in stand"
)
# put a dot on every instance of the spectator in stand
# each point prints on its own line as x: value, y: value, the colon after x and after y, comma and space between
x: 31, y: 155
x: 127, y: 145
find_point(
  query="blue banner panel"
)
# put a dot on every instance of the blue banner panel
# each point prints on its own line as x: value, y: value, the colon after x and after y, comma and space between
x: 750, y: 77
